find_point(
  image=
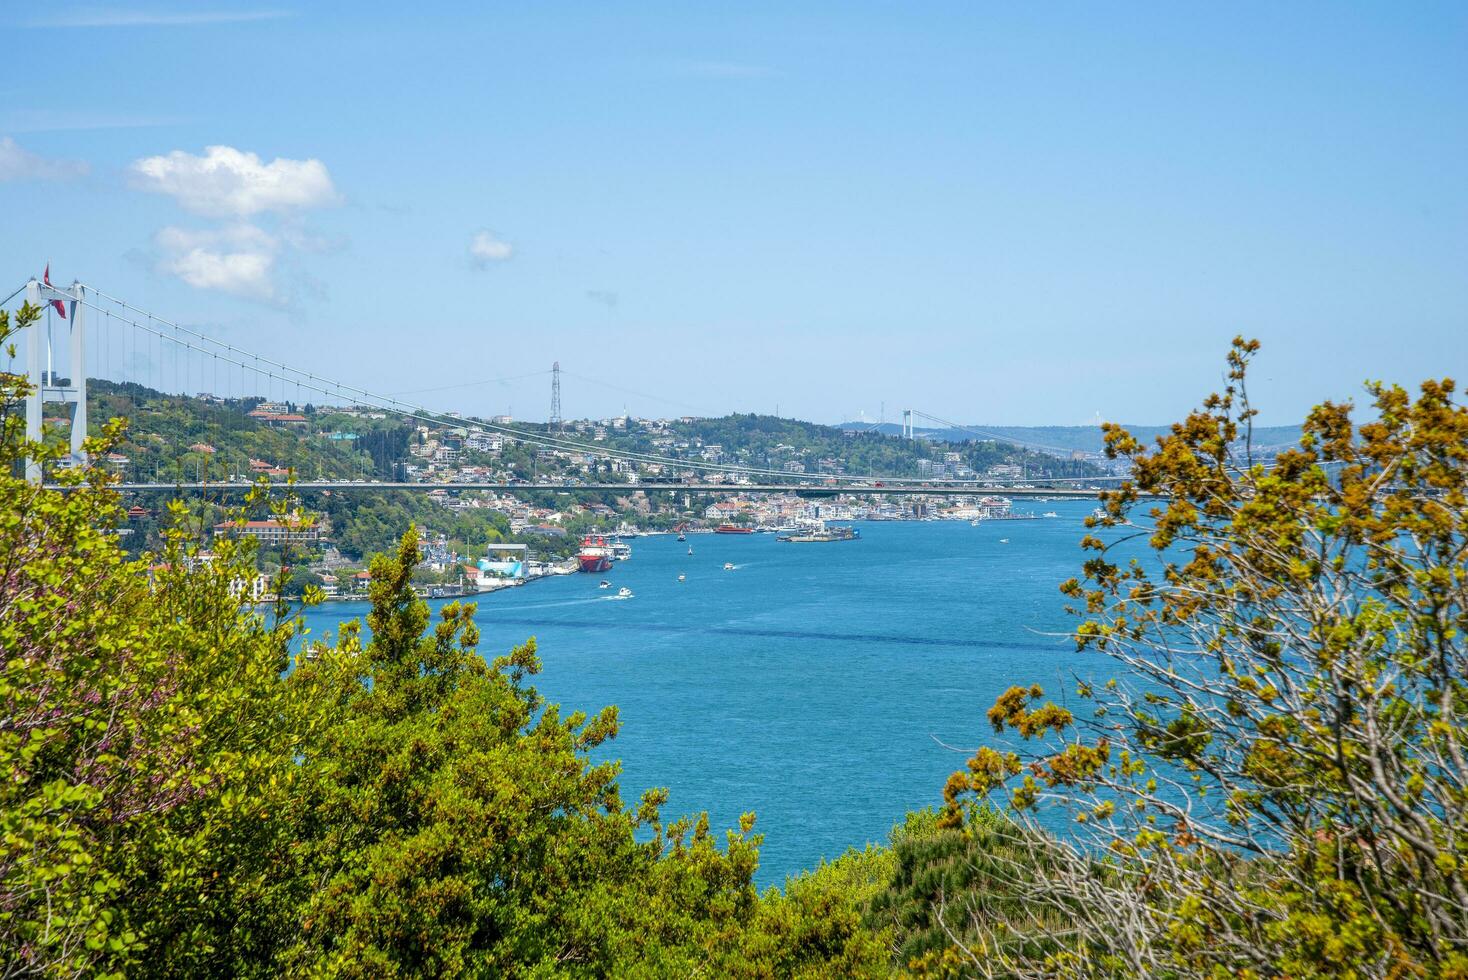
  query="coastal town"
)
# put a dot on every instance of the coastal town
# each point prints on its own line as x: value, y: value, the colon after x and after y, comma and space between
x: 478, y: 540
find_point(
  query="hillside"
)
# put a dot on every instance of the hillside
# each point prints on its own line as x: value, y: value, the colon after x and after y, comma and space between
x: 173, y: 439
x: 1065, y: 438
x: 806, y: 448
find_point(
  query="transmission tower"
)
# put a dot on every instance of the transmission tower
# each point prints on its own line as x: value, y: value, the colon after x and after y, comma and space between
x: 555, y: 416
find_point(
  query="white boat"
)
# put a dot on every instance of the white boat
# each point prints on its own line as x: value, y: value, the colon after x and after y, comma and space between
x: 680, y: 578
x: 1001, y: 541
x: 621, y: 551
x: 604, y: 584
x: 1049, y: 513
x: 690, y: 549
x: 976, y: 521
x: 728, y: 566
x: 624, y: 593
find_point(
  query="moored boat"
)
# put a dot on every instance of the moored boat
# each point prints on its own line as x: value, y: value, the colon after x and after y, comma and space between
x: 733, y: 529
x: 595, y: 555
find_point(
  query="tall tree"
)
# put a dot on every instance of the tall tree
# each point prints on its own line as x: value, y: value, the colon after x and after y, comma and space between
x: 1276, y: 781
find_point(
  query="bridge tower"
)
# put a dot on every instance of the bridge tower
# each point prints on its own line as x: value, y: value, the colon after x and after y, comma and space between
x: 907, y: 423
x: 44, y: 387
x: 555, y: 415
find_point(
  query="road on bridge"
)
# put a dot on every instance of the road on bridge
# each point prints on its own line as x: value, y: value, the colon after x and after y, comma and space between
x: 943, y: 490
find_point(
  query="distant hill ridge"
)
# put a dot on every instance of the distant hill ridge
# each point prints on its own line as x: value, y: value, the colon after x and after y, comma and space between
x: 1064, y: 438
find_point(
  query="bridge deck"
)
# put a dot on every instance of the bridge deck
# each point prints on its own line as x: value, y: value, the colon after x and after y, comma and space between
x: 808, y: 490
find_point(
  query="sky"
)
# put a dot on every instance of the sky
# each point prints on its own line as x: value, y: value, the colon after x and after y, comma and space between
x: 992, y: 213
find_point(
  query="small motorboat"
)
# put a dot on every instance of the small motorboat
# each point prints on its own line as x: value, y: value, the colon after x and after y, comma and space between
x: 682, y: 536
x: 728, y: 566
x: 690, y: 549
x: 1049, y: 513
x: 1001, y: 541
x: 624, y: 593
x: 680, y: 577
x: 604, y: 584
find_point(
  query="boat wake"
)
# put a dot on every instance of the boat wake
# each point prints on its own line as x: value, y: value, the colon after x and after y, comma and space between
x: 563, y: 602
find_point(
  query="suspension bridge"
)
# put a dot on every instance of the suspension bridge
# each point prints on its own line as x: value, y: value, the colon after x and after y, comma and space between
x: 87, y: 333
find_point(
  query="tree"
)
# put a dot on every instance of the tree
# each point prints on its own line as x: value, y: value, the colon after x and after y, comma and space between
x: 449, y: 820
x: 1275, y: 782
x: 136, y: 697
x: 175, y: 801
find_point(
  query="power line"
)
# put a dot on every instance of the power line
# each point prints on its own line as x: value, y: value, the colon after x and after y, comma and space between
x: 472, y: 384
x: 330, y: 387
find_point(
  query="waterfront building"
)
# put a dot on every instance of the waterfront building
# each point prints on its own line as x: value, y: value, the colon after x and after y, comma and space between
x: 272, y: 532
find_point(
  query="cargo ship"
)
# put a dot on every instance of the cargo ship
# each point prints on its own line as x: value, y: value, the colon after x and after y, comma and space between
x: 595, y: 554
x: 733, y: 529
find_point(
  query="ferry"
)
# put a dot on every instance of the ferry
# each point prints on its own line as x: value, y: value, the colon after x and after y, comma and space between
x: 595, y: 555
x: 621, y: 551
x: 733, y: 529
x: 822, y: 535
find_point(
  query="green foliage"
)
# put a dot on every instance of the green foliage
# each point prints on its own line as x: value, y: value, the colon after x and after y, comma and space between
x: 1278, y: 777
x: 366, y: 522
x: 176, y: 801
x: 963, y: 886
x: 162, y: 428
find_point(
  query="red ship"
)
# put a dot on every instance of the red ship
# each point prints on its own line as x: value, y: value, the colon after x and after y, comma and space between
x: 733, y: 529
x: 596, y: 554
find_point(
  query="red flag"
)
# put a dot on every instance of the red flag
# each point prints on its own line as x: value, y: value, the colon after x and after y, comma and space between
x: 46, y: 278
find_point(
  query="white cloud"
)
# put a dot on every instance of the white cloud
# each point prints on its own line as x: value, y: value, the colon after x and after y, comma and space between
x: 226, y: 182
x: 484, y: 248
x: 238, y: 259
x: 18, y: 163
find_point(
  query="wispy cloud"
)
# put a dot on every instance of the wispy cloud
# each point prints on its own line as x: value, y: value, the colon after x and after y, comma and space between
x: 724, y: 69
x: 485, y: 248
x: 113, y: 17
x: 18, y: 163
x: 238, y: 259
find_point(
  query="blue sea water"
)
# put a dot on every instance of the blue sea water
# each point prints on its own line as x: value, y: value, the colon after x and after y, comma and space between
x: 823, y: 686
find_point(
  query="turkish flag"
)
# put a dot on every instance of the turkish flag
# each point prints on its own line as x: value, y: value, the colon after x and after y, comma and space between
x: 46, y: 278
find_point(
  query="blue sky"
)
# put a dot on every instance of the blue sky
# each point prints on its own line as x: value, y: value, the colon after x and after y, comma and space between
x: 1022, y: 213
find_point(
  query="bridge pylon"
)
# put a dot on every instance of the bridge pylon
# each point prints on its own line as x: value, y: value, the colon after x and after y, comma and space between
x: 43, y: 382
